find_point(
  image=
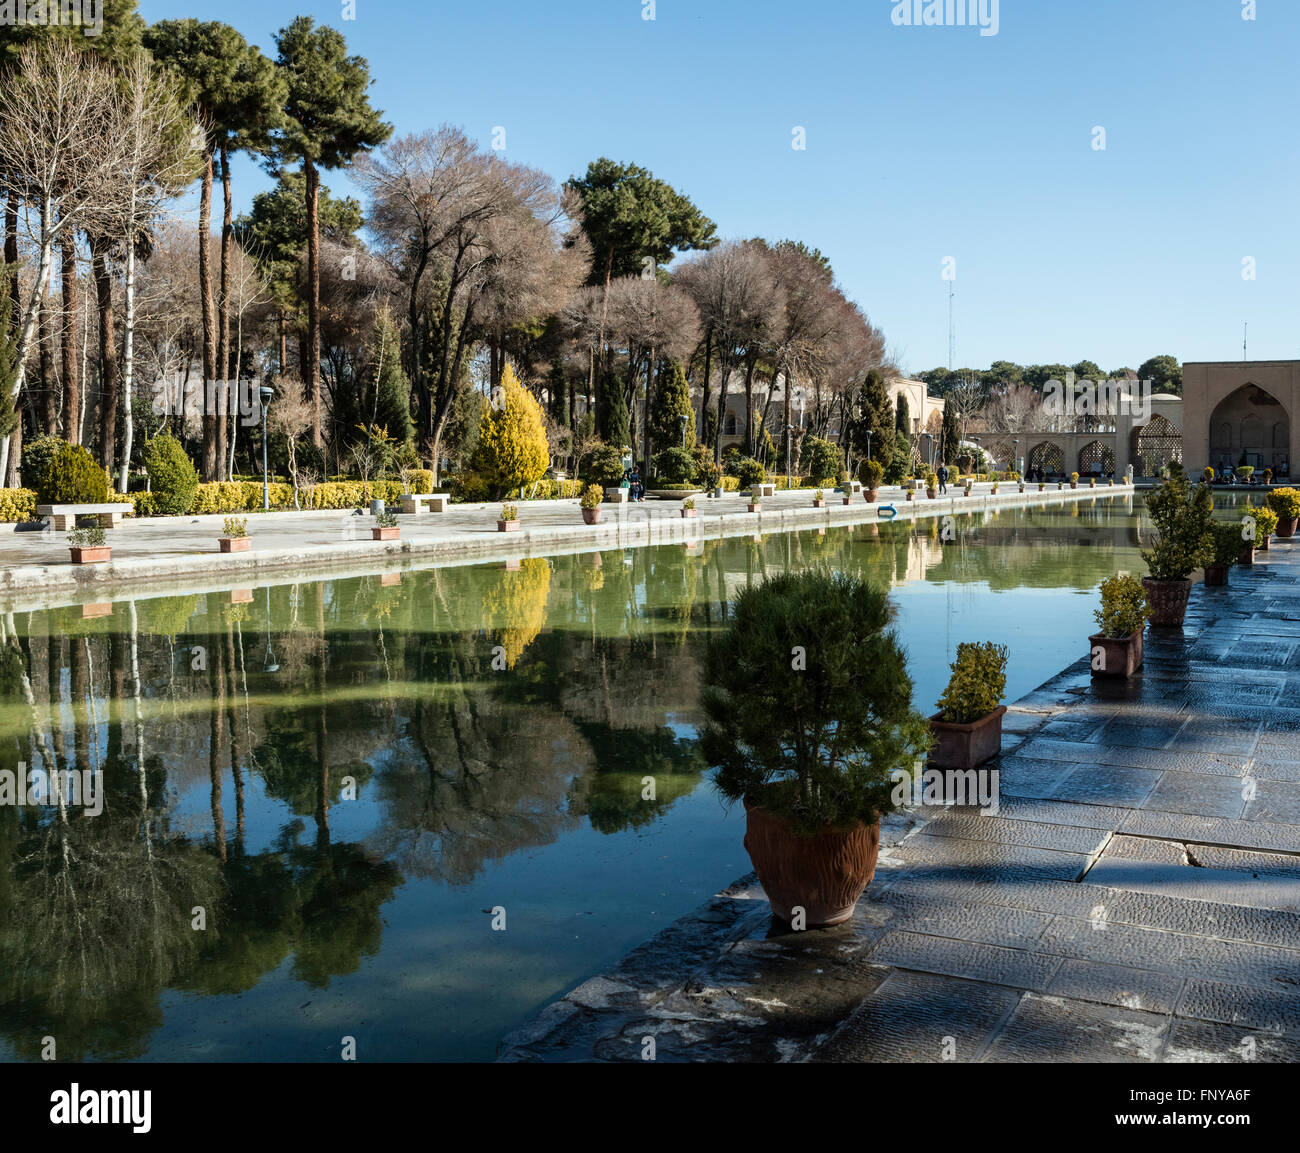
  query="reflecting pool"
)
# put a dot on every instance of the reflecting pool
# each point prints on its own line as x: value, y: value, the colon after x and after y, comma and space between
x: 309, y: 803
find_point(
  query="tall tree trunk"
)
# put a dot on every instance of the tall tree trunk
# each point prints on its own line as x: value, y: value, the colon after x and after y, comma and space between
x: 68, y: 339
x: 209, y: 320
x: 311, y: 370
x: 107, y: 353
x: 284, y: 341
x: 223, y: 309
x: 49, y: 385
x: 128, y: 368
x: 704, y: 390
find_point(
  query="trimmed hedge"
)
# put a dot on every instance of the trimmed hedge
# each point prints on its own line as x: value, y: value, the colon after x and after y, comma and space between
x: 173, y: 480
x: 74, y: 478
x: 17, y: 505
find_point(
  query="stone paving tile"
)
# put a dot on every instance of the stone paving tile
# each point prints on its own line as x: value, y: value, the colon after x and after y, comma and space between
x: 1070, y: 728
x: 986, y: 924
x: 1226, y: 922
x: 987, y: 861
x: 1204, y: 736
x: 1275, y: 1010
x: 1209, y: 1041
x: 910, y: 1015
x: 1060, y: 813
x: 992, y: 963
x: 1068, y: 838
x: 1143, y: 849
x: 1107, y: 785
x: 1051, y: 1029
x: 1148, y: 734
x: 1277, y: 801
x: 1256, y: 864
x: 1019, y: 776
x: 1040, y: 749
x: 1198, y: 793
x: 1116, y: 985
x: 1213, y: 830
x: 1055, y: 897
x: 1263, y: 770
x: 1233, y: 962
x: 1202, y: 884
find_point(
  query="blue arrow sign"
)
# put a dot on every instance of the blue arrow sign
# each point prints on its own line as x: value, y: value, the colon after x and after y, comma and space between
x: 881, y: 509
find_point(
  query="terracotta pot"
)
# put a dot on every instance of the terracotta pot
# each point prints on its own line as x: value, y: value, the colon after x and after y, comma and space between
x: 235, y: 543
x: 507, y: 526
x: 931, y: 493
x: 1216, y: 575
x: 1286, y: 527
x: 873, y: 494
x: 687, y: 513
x: 591, y: 516
x: 848, y: 498
x: 824, y: 874
x: 759, y: 508
x: 910, y: 494
x: 1247, y: 556
x: 1022, y: 488
x: 90, y: 555
x: 1041, y: 487
x: 378, y: 533
x: 966, y: 746
x: 819, y: 504
x: 1168, y: 600
x: 1074, y: 484
x: 1119, y: 656
x: 1262, y: 543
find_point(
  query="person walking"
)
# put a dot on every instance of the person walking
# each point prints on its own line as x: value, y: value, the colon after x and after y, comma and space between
x: 943, y: 479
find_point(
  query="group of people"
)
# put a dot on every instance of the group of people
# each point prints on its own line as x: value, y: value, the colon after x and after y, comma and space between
x: 632, y: 482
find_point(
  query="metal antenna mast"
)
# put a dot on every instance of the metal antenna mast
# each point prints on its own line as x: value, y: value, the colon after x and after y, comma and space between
x: 952, y: 336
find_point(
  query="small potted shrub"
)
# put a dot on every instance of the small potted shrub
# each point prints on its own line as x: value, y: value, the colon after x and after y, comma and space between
x: 1268, y: 476
x: 385, y: 526
x: 814, y: 753
x: 508, y: 521
x: 1265, y: 522
x: 87, y: 545
x: 1228, y: 543
x: 1060, y: 486
x: 970, y: 482
x: 1185, y: 542
x: 236, y: 538
x: 1117, y: 644
x: 909, y: 490
x: 688, y: 508
x: 1245, y: 472
x: 1285, y: 502
x: 873, y: 473
x: 1092, y: 482
x: 968, y: 726
x: 1207, y: 474
x: 1042, y: 485
x: 996, y: 478
x: 590, y: 504
x: 931, y: 485
x: 756, y: 499
x: 819, y: 499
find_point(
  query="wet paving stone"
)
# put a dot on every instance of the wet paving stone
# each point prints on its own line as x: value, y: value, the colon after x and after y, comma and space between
x: 986, y: 924
x: 1239, y: 738
x: 1116, y: 985
x: 939, y: 858
x: 1067, y: 838
x: 1275, y: 1010
x: 1182, y: 879
x: 1209, y: 1041
x: 1275, y: 801
x: 1143, y: 734
x: 1107, y: 785
x: 1051, y: 1029
x: 913, y: 1017
x: 1060, y: 813
x: 992, y: 963
x: 1243, y: 834
x: 1198, y: 793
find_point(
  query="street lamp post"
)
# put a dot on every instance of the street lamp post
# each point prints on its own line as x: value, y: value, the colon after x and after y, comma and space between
x: 1015, y: 456
x: 868, y: 444
x: 265, y: 392
x: 682, y: 420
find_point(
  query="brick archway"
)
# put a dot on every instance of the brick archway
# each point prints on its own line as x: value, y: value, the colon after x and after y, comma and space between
x: 1046, y: 457
x: 1250, y: 425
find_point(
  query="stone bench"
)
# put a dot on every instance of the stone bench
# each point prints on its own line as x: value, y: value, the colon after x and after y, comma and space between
x: 65, y: 516
x: 413, y: 503
x: 617, y: 495
x: 765, y: 489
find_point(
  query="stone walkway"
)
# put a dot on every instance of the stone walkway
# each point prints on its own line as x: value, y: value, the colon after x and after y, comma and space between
x: 1135, y: 899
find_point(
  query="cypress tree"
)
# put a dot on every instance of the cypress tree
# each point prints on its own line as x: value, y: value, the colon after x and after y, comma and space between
x: 672, y: 401
x: 904, y: 420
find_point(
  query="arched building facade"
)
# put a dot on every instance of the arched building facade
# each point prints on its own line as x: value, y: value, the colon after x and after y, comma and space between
x: 1241, y: 412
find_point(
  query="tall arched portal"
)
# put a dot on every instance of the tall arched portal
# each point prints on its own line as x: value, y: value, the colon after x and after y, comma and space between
x: 1250, y: 426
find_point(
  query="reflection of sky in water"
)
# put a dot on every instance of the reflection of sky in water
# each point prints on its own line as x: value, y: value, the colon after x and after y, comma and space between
x: 542, y: 816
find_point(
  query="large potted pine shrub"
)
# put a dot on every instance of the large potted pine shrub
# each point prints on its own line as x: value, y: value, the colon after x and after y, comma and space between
x: 968, y: 726
x: 872, y: 473
x: 1181, y: 516
x: 1117, y: 645
x: 1285, y: 502
x: 808, y: 717
x: 1228, y: 543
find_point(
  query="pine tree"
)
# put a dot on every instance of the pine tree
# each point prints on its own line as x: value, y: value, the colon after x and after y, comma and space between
x: 672, y: 402
x: 512, y: 449
x: 904, y: 420
x: 877, y: 416
x: 616, y: 425
x: 951, y: 435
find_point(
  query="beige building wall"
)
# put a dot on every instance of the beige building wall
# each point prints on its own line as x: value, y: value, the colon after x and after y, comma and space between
x: 1240, y: 395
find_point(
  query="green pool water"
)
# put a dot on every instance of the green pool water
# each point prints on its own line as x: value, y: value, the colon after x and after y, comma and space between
x: 316, y: 803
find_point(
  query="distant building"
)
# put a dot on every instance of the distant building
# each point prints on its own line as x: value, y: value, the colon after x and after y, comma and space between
x: 1239, y: 412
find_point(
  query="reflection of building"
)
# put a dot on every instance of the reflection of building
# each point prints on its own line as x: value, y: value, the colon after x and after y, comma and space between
x: 1239, y: 412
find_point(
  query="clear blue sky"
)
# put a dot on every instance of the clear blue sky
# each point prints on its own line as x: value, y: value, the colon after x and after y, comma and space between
x: 922, y: 143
